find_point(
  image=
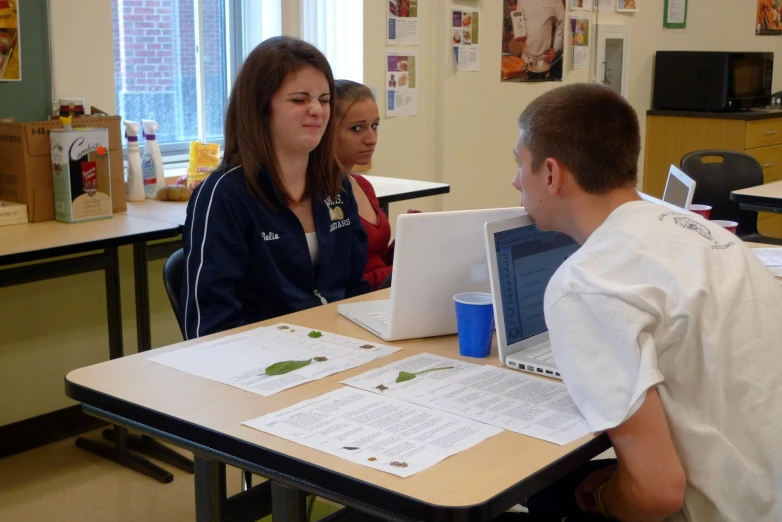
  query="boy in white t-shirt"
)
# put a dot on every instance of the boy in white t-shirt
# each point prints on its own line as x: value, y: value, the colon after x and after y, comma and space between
x: 666, y: 328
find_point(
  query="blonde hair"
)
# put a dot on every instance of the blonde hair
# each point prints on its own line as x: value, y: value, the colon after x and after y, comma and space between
x: 350, y: 92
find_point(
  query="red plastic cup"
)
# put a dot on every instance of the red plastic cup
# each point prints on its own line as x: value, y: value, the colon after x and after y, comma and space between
x: 730, y: 226
x: 701, y: 210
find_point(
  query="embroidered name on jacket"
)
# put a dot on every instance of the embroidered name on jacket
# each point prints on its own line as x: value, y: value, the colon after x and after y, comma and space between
x: 269, y: 236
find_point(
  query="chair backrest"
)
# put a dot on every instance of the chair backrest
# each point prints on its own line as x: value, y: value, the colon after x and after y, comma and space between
x: 172, y: 280
x: 715, y: 180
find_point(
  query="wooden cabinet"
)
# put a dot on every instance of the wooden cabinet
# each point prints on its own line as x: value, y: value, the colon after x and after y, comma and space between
x: 672, y: 134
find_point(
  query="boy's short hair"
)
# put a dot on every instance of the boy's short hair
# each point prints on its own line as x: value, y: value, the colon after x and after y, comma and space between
x: 588, y: 127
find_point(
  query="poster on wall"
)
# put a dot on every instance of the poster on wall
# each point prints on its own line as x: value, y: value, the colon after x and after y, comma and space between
x: 533, y: 38
x: 580, y: 5
x: 466, y: 47
x: 627, y: 6
x: 675, y: 14
x: 605, y: 5
x: 401, y: 83
x: 579, y: 31
x: 769, y: 17
x: 10, y: 47
x: 402, y: 22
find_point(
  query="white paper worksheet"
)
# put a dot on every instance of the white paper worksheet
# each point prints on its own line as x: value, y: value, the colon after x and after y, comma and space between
x: 509, y: 399
x: 241, y: 360
x: 379, y: 432
x: 769, y: 256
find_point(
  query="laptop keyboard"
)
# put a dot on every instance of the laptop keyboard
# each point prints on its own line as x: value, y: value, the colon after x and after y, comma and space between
x: 380, y: 316
x: 546, y: 356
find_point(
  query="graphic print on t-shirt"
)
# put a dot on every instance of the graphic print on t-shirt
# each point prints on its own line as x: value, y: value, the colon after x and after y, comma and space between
x: 690, y: 224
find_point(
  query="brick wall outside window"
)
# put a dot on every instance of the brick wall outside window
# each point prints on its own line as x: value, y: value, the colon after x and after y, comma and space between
x: 155, y: 65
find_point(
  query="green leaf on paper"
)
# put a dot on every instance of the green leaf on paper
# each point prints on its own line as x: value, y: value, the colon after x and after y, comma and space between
x: 408, y: 376
x: 281, y: 368
x: 315, y: 334
x: 405, y: 376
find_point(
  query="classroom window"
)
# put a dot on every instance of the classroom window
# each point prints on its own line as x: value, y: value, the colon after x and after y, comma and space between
x: 159, y: 73
x: 336, y: 27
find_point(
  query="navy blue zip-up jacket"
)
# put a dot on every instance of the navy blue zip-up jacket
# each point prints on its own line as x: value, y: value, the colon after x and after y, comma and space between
x: 245, y: 262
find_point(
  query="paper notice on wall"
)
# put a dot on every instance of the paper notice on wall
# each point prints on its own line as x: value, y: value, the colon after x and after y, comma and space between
x: 465, y: 38
x: 402, y: 22
x: 606, y: 5
x: 579, y: 31
x: 401, y: 83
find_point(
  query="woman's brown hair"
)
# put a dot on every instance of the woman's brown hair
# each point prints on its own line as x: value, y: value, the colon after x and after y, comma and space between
x: 248, y: 139
x: 348, y: 93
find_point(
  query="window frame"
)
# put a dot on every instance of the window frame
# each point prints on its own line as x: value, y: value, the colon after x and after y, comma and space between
x: 237, y: 35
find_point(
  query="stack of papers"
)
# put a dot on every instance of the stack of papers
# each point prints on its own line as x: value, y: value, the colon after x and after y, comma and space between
x: 771, y: 258
x: 241, y: 360
x: 407, y: 416
x: 509, y: 399
x: 375, y: 431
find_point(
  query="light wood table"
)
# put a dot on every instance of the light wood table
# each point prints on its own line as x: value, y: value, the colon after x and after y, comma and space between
x: 389, y: 190
x: 39, y: 241
x: 761, y: 198
x: 166, y: 211
x: 204, y: 416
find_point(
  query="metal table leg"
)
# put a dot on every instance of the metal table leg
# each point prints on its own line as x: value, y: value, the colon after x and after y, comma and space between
x: 141, y: 277
x: 143, y: 443
x: 119, y: 449
x: 288, y: 504
x: 210, y: 491
x: 114, y: 303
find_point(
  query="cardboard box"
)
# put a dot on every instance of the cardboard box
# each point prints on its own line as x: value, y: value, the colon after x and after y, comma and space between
x: 82, y: 182
x: 12, y: 213
x: 26, y: 164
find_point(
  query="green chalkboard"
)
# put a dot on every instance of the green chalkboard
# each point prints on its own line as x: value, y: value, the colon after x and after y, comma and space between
x: 31, y: 98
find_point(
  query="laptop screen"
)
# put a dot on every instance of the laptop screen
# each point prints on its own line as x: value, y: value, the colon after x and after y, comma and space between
x: 526, y: 260
x: 676, y: 192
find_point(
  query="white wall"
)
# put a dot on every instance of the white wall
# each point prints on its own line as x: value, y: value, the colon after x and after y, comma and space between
x: 475, y: 115
x: 83, y: 52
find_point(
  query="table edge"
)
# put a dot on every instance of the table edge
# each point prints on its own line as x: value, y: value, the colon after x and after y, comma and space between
x: 98, y: 244
x: 415, y: 194
x: 349, y: 487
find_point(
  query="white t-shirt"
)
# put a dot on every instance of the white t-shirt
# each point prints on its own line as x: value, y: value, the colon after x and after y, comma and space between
x: 657, y: 297
x: 312, y: 245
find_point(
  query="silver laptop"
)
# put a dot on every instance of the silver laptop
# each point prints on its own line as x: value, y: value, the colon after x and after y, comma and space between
x: 437, y: 255
x: 522, y: 260
x: 679, y: 188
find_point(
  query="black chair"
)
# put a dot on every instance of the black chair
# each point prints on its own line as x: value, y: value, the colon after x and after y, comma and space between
x: 172, y: 280
x: 715, y: 180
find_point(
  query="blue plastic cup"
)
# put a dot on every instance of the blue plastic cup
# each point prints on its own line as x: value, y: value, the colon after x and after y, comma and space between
x: 474, y: 323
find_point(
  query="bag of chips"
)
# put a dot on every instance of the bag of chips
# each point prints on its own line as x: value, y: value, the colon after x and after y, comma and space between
x: 204, y: 158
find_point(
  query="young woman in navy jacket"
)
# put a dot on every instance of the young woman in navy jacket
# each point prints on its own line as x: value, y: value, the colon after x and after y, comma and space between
x: 275, y: 229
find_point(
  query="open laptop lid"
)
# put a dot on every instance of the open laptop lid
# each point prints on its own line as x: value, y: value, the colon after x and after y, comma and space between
x: 522, y: 260
x: 437, y: 255
x: 679, y: 188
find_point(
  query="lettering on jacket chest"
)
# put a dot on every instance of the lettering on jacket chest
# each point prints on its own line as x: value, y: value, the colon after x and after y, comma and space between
x: 336, y: 213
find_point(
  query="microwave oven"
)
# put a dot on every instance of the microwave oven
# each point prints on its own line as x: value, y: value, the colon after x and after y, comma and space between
x: 711, y: 80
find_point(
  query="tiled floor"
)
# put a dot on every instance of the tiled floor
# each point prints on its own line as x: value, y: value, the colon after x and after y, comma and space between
x: 63, y: 483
